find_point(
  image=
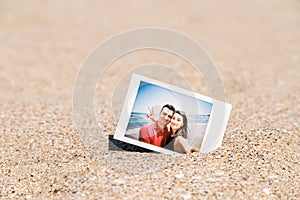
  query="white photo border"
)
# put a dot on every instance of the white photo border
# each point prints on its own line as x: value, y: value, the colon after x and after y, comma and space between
x: 210, y: 137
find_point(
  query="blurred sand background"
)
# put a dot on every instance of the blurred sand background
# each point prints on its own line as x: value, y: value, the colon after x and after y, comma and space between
x: 255, y: 46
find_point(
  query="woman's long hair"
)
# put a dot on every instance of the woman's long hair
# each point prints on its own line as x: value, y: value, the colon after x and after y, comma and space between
x: 183, y: 130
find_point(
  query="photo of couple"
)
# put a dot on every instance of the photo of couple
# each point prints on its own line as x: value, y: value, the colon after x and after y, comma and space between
x: 167, y: 119
x: 169, y: 131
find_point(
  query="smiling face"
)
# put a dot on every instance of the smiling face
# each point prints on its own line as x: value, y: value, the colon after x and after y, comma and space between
x: 165, y: 117
x: 176, y: 122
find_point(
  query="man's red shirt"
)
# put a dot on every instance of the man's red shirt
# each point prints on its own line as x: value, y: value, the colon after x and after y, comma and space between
x: 152, y: 134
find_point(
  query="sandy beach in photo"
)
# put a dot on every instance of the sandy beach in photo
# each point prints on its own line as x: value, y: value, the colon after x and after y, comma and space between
x: 255, y: 46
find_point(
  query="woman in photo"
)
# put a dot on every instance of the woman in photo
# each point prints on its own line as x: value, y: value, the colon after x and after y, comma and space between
x: 179, y: 131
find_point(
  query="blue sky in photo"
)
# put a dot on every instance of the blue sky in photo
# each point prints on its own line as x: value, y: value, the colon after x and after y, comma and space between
x: 150, y: 95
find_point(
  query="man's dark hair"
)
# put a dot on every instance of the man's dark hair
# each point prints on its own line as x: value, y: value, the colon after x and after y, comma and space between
x: 168, y: 106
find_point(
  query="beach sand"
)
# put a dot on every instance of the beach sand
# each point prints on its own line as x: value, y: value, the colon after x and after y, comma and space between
x: 255, y: 46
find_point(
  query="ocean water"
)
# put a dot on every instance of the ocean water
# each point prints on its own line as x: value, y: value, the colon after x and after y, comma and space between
x: 196, y: 126
x: 137, y: 120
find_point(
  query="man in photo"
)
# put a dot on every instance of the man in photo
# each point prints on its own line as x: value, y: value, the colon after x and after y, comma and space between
x: 157, y: 133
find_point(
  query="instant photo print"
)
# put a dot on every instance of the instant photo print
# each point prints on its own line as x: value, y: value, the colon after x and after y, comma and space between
x: 168, y: 119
